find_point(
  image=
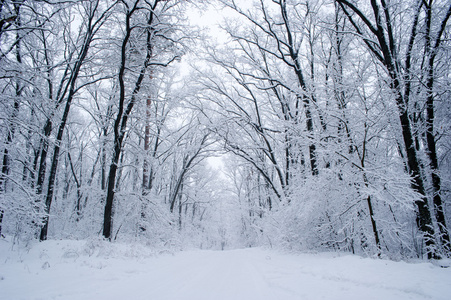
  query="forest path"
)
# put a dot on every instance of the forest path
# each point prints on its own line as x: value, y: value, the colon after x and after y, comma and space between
x: 67, y: 270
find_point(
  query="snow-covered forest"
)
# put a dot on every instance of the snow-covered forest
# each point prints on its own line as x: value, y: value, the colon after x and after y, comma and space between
x: 305, y: 125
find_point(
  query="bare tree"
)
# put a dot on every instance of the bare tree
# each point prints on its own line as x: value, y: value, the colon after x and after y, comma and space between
x: 94, y: 22
x: 152, y: 14
x: 376, y: 27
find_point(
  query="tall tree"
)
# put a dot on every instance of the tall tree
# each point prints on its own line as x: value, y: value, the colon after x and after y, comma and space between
x: 18, y: 91
x: 432, y: 49
x: 135, y: 12
x: 282, y: 44
x: 94, y: 21
x: 377, y: 29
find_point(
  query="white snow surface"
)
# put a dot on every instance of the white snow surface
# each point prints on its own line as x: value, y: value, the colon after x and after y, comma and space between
x: 95, y: 269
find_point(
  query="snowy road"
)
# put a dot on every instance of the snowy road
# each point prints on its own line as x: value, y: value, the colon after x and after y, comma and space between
x: 67, y: 270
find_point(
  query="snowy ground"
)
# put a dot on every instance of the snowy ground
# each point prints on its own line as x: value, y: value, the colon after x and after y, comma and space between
x: 98, y: 270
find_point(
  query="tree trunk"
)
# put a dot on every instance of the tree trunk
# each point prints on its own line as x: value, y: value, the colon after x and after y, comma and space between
x: 386, y: 52
x: 145, y: 182
x: 120, y: 123
x: 431, y: 51
x: 147, y: 173
x: 12, y: 127
x: 55, y: 159
x: 72, y: 82
x: 108, y: 212
x: 424, y: 221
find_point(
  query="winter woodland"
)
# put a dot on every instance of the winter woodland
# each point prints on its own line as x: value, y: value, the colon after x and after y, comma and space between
x: 309, y: 125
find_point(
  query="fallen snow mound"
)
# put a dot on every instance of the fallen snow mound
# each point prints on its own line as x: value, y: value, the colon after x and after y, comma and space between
x: 99, y: 270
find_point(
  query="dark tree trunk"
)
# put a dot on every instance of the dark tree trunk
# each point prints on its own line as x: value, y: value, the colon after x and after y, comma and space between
x: 103, y: 155
x: 55, y: 159
x: 43, y: 156
x: 6, y: 159
x: 431, y: 50
x: 296, y: 66
x: 78, y: 182
x: 146, y: 170
x: 424, y: 220
x: 71, y: 85
x: 12, y: 126
x: 108, y: 212
x: 120, y: 123
x: 180, y: 196
x: 386, y: 52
